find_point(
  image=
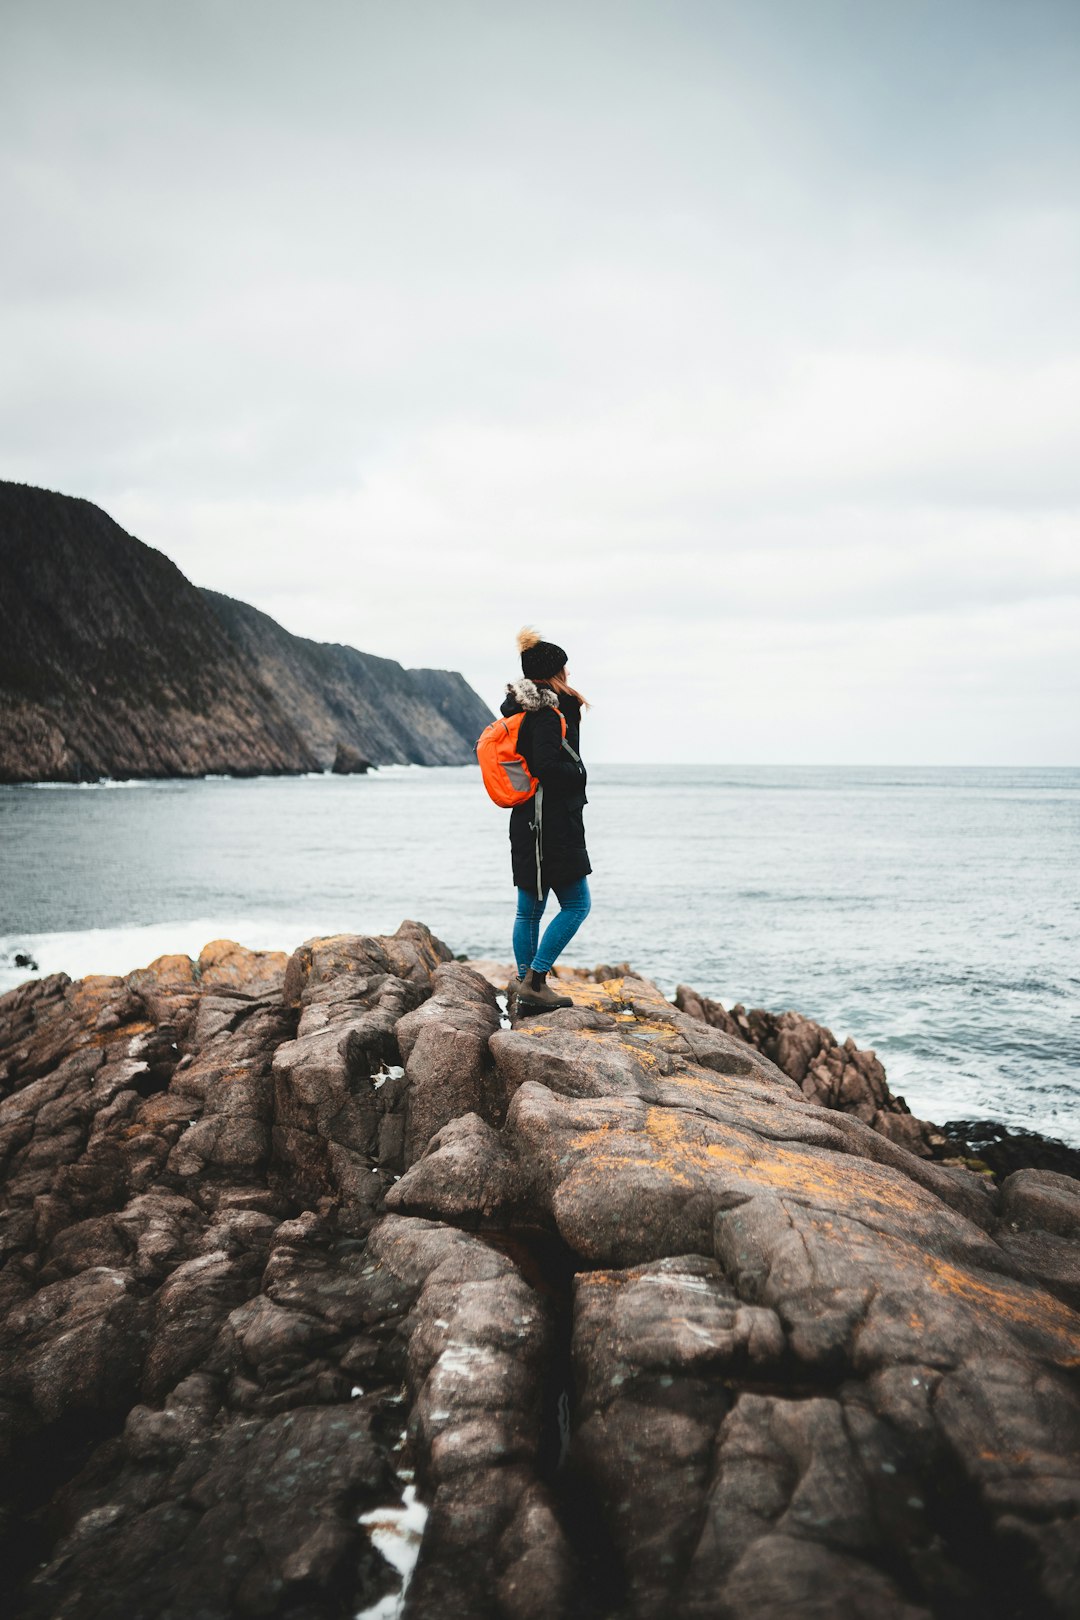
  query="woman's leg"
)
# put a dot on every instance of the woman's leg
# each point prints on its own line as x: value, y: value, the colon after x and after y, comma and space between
x: 574, y: 906
x: 527, y: 928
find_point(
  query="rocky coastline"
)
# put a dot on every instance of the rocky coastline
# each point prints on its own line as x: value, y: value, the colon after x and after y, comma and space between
x: 634, y: 1309
x: 113, y: 664
x: 841, y: 1075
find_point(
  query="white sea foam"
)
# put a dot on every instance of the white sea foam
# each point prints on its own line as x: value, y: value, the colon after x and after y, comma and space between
x: 80, y: 952
x: 926, y: 913
x: 104, y: 782
x: 85, y: 787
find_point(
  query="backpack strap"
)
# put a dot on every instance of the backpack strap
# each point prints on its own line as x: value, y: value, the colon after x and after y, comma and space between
x: 538, y: 836
x: 562, y: 723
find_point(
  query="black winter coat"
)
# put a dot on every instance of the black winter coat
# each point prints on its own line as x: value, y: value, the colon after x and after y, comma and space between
x: 563, y: 856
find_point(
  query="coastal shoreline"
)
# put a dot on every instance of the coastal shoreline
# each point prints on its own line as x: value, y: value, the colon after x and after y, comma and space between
x: 848, y: 896
x: 989, y: 1145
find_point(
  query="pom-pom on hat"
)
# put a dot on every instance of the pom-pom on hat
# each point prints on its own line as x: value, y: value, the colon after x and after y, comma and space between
x: 540, y: 660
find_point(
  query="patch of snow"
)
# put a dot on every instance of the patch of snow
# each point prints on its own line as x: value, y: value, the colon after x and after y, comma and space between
x: 397, y: 1532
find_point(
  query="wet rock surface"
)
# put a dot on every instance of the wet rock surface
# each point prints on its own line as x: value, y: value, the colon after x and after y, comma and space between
x: 1003, y: 1150
x: 646, y: 1329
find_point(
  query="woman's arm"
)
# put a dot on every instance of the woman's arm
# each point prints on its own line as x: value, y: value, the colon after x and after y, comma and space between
x: 546, y: 757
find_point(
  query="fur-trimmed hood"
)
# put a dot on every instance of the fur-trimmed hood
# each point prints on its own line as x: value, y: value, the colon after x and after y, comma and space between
x: 530, y: 696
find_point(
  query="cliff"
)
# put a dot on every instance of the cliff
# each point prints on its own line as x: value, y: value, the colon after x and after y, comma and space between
x: 298, y: 1250
x: 332, y: 694
x: 113, y: 664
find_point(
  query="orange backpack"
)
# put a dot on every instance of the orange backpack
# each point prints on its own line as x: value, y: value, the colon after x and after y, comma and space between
x: 502, y: 764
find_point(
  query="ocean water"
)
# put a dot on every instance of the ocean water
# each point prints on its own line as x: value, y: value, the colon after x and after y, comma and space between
x: 930, y: 914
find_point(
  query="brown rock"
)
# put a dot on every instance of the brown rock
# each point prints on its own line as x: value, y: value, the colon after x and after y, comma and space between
x: 349, y: 762
x: 828, y: 1073
x: 256, y: 1517
x: 251, y: 973
x: 1041, y: 1201
x: 479, y: 1341
x: 444, y: 1045
x: 656, y: 1333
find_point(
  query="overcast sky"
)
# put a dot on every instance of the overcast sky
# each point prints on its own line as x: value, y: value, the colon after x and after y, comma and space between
x: 734, y: 345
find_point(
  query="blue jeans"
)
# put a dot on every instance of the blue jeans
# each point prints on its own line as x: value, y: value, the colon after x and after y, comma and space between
x: 574, y: 905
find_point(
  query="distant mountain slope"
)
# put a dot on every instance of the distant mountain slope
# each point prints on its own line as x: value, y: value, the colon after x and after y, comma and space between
x: 113, y: 664
x: 333, y: 694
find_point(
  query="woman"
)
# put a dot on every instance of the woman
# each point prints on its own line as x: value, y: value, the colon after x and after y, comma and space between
x: 547, y: 834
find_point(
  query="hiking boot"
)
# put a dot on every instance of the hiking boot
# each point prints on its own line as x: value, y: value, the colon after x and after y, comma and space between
x: 535, y: 992
x: 513, y: 990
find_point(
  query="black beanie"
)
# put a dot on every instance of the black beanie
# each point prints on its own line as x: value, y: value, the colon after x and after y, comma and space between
x: 540, y: 660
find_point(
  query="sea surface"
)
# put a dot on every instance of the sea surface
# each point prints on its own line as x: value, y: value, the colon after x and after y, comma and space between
x: 930, y: 914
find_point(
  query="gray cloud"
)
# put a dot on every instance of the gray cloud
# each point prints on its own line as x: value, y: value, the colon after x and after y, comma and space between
x: 694, y: 332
